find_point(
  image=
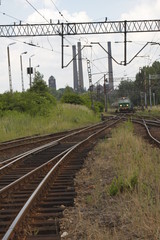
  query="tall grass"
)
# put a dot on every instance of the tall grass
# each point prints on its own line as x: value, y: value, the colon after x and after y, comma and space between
x: 63, y: 117
x: 152, y: 112
x: 134, y: 159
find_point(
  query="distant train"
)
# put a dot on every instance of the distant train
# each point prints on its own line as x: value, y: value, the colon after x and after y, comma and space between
x: 125, y: 105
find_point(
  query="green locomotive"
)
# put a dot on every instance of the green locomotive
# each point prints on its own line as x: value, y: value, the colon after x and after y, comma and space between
x: 125, y: 105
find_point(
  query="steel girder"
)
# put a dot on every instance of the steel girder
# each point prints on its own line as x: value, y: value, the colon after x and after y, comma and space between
x: 61, y: 29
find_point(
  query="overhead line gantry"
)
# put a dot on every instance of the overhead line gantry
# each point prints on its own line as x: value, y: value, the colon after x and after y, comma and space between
x: 83, y: 28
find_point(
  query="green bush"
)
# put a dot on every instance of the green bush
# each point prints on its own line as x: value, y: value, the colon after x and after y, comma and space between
x: 98, y: 106
x: 30, y: 102
x: 72, y: 98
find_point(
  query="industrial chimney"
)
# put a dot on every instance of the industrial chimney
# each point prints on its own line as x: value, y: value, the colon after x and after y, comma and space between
x: 110, y: 68
x: 80, y: 69
x: 75, y: 74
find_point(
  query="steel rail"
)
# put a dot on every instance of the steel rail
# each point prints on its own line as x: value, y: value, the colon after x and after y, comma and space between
x: 150, y: 133
x: 29, y: 140
x: 5, y: 168
x: 22, y: 213
x: 144, y: 123
x: 26, y: 154
x: 15, y: 159
x: 149, y: 122
x: 29, y: 174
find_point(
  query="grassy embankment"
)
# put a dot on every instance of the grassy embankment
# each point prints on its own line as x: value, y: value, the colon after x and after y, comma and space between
x: 64, y: 116
x: 152, y: 112
x: 123, y: 184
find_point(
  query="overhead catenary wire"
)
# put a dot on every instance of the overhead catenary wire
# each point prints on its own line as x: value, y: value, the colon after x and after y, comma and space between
x: 37, y: 11
x: 45, y: 18
x: 59, y: 11
x: 8, y: 15
x: 37, y: 46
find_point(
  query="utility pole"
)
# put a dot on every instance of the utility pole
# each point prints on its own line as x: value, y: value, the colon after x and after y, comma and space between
x: 152, y: 77
x: 98, y: 91
x: 145, y: 94
x: 154, y: 100
x: 22, y: 70
x: 9, y: 67
x: 150, y: 96
x: 105, y: 93
x: 90, y: 82
x: 30, y: 70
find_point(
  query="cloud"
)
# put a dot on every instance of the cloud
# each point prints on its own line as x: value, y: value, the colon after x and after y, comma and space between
x: 50, y: 14
x: 144, y: 10
x: 47, y: 54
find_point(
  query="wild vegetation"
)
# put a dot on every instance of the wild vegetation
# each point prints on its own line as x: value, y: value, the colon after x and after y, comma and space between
x: 118, y: 191
x: 135, y: 90
x: 62, y: 117
x: 37, y: 111
x: 39, y: 103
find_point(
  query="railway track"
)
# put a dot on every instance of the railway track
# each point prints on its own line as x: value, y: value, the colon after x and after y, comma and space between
x: 35, y: 188
x: 29, y: 160
x: 152, y: 127
x: 21, y: 145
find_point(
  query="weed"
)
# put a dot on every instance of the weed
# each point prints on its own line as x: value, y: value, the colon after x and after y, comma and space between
x: 89, y: 199
x: 120, y: 184
x: 133, y: 181
x: 117, y: 185
x: 113, y: 189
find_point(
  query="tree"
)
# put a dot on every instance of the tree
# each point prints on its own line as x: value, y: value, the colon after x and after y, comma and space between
x: 39, y: 85
x: 142, y: 80
x: 127, y: 89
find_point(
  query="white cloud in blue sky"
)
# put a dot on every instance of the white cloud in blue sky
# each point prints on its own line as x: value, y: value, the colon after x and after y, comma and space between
x: 49, y: 55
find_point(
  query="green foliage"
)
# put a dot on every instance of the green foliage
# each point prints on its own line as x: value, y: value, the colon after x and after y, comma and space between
x: 135, y: 89
x: 72, y: 98
x: 98, y: 106
x: 133, y: 181
x: 30, y: 102
x: 116, y: 186
x: 120, y: 184
x: 36, y: 104
x: 14, y: 124
x: 36, y: 101
x: 68, y: 90
x: 39, y: 85
x: 86, y: 99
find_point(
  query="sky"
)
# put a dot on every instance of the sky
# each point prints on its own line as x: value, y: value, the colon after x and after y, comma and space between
x: 46, y: 57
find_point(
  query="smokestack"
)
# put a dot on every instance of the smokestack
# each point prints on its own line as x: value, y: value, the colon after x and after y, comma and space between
x: 75, y: 74
x: 81, y: 84
x: 110, y: 68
